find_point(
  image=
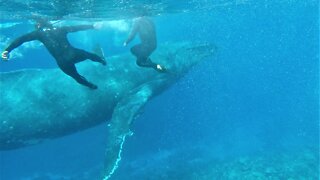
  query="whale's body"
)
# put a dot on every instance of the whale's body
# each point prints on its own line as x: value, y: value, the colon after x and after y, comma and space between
x: 42, y: 104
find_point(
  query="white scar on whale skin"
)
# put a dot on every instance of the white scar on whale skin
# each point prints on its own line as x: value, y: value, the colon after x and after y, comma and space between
x: 38, y: 105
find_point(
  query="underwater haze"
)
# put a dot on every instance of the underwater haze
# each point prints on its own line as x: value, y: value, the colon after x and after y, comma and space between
x: 250, y: 111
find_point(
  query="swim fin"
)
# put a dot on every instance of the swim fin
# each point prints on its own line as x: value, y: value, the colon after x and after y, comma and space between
x: 98, y: 50
x: 160, y: 68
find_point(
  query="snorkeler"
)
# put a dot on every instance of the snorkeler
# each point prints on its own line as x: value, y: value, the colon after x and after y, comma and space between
x: 147, y: 33
x: 56, y: 41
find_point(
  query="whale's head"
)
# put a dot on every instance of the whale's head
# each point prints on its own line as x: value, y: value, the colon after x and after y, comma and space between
x: 181, y: 57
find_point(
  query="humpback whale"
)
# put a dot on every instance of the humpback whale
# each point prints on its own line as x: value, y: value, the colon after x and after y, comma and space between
x: 41, y: 104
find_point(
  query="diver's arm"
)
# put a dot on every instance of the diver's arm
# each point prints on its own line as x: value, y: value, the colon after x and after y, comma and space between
x: 18, y: 42
x: 133, y: 33
x: 77, y: 28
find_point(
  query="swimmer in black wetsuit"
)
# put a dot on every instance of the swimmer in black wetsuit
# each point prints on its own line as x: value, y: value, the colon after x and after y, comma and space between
x: 56, y: 41
x: 147, y: 33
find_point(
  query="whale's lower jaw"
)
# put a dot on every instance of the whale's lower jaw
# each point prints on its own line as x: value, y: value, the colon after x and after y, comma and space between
x: 6, y: 146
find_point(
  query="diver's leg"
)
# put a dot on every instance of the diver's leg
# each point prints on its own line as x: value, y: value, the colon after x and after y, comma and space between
x: 137, y: 50
x: 142, y: 53
x: 82, y: 55
x: 142, y: 58
x: 145, y: 62
x: 72, y: 72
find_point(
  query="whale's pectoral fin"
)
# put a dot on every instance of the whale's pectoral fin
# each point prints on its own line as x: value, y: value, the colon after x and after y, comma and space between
x: 119, y: 126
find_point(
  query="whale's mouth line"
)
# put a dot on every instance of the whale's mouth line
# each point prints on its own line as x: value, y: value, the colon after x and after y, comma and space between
x: 205, y: 48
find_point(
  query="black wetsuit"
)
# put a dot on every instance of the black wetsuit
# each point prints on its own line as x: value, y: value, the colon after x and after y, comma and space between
x: 147, y: 33
x: 56, y: 41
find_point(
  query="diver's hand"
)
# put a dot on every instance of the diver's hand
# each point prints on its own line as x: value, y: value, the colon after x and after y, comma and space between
x: 98, y: 25
x: 5, y: 55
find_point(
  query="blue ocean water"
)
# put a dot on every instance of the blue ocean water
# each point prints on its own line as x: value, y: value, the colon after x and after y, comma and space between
x: 249, y: 112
